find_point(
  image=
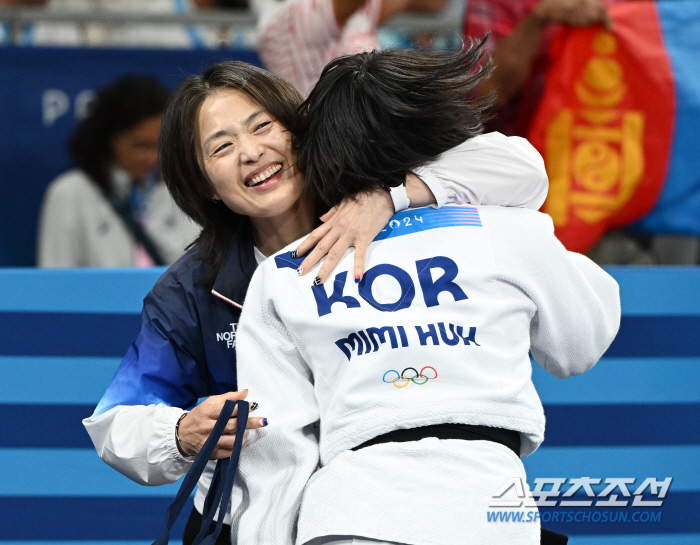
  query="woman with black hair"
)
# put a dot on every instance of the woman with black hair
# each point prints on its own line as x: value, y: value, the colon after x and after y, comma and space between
x: 417, y: 378
x: 229, y: 160
x: 112, y: 209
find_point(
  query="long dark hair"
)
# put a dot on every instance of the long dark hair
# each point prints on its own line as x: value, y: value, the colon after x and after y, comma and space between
x: 373, y: 116
x: 117, y: 108
x: 179, y: 153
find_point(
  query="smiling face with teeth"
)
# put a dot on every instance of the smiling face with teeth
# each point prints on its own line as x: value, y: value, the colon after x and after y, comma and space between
x: 247, y: 157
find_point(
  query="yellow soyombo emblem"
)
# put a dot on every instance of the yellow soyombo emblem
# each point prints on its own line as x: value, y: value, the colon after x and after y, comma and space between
x: 593, y: 151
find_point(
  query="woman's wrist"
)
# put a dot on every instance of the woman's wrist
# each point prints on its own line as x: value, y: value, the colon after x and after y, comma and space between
x: 419, y: 193
x: 178, y: 441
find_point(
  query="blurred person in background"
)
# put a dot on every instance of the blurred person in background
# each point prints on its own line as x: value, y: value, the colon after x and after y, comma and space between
x: 297, y: 38
x: 112, y: 209
x: 520, y: 34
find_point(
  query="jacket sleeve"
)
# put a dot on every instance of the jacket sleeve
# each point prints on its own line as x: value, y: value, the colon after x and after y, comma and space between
x: 277, y: 460
x: 133, y: 426
x: 58, y: 241
x: 489, y: 169
x: 139, y: 442
x: 577, y: 303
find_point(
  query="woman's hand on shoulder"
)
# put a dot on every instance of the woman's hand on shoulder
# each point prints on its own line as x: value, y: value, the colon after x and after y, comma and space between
x: 196, y: 426
x: 354, y: 222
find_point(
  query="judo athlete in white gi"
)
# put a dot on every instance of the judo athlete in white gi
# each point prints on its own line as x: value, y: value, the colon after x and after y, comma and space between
x: 436, y: 336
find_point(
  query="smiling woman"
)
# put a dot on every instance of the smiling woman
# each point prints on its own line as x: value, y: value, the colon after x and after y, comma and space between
x: 250, y: 163
x: 220, y: 131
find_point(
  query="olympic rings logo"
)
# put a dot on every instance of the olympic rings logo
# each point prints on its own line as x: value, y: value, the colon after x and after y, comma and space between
x: 417, y: 378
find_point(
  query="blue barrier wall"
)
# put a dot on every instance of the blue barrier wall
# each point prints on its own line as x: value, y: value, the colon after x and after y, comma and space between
x: 635, y: 415
x: 42, y: 93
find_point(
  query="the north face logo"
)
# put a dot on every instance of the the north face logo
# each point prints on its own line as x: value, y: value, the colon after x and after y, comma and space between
x: 228, y: 336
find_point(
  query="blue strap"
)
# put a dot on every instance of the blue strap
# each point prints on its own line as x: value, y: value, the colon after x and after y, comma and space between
x: 209, y: 501
x: 219, y: 493
x: 230, y: 474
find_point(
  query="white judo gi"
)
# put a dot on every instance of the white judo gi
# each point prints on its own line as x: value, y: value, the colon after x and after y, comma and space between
x: 439, y: 331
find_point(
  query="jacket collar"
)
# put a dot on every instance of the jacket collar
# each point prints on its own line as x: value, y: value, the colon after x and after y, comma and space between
x: 234, y: 276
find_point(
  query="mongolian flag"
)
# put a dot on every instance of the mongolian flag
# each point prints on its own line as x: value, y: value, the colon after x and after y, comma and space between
x: 619, y: 124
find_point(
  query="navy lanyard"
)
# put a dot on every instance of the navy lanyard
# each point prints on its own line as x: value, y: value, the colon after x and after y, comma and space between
x: 221, y: 486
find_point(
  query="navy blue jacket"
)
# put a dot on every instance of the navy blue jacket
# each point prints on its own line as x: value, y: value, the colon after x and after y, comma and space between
x: 186, y: 347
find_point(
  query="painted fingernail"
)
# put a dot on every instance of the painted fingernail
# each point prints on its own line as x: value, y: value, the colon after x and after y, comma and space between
x: 253, y: 406
x: 294, y: 254
x: 317, y: 281
x: 357, y: 279
x: 300, y: 270
x: 263, y: 422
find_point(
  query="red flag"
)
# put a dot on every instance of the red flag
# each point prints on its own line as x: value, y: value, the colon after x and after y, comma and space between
x: 605, y: 123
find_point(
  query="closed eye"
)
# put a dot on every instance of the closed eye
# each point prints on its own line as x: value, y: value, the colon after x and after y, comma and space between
x: 221, y: 147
